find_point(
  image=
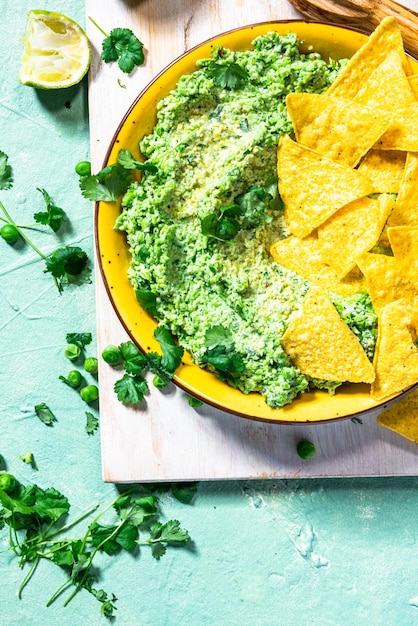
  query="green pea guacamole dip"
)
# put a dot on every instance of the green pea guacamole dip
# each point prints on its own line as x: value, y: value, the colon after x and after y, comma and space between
x: 200, y: 227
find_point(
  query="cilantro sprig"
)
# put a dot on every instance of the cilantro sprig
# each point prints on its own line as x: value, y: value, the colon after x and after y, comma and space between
x: 133, y: 386
x: 113, y: 180
x: 227, y: 74
x: 36, y: 520
x: 53, y: 216
x: 66, y: 264
x: 221, y: 352
x: 123, y: 46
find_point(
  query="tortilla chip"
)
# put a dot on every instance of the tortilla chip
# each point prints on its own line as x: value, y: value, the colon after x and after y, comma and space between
x: 386, y: 37
x: 402, y: 416
x: 385, y: 279
x: 321, y: 345
x: 413, y: 83
x: 304, y: 256
x: 385, y: 169
x: 313, y: 187
x: 396, y: 356
x: 405, y: 211
x: 337, y: 128
x: 404, y: 244
x: 402, y: 134
x: 387, y: 86
x: 352, y: 230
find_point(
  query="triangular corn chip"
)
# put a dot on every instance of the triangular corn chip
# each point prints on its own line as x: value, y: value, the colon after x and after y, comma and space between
x: 402, y: 134
x: 321, y: 345
x: 385, y: 169
x: 352, y: 230
x: 402, y: 416
x: 405, y: 211
x: 404, y: 244
x: 304, y: 256
x: 339, y: 129
x: 387, y: 87
x: 313, y: 187
x: 386, y: 281
x: 385, y: 37
x: 396, y: 356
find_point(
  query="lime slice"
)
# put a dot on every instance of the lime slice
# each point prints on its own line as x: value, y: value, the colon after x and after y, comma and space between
x: 56, y: 51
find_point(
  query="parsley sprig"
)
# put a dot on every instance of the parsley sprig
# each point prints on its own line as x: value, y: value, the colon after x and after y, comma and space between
x: 123, y: 46
x: 36, y: 516
x: 65, y: 263
x: 227, y: 74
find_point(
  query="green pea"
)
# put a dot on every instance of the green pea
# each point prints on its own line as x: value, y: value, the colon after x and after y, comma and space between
x: 83, y: 168
x: 74, y: 379
x: 305, y: 449
x: 72, y: 351
x: 9, y: 233
x: 111, y: 354
x: 91, y: 365
x: 89, y: 393
x: 159, y: 382
x: 7, y: 482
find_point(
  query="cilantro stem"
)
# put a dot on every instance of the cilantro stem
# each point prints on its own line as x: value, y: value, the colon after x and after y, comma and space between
x: 28, y: 576
x: 21, y: 233
x: 99, y: 27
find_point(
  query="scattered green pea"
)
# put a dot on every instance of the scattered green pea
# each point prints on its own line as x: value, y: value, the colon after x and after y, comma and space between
x: 111, y: 355
x: 158, y: 382
x: 194, y: 402
x: 74, y: 379
x: 305, y: 449
x: 72, y: 351
x: 7, y: 482
x: 89, y: 393
x: 91, y: 365
x: 83, y: 168
x: 9, y: 233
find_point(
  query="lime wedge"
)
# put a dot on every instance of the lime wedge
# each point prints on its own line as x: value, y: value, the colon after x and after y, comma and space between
x: 56, y: 52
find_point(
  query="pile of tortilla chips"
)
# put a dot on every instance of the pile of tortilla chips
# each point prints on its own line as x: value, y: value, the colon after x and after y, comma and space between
x: 349, y: 184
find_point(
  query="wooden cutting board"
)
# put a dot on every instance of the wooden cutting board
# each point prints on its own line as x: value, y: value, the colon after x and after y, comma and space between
x: 166, y: 440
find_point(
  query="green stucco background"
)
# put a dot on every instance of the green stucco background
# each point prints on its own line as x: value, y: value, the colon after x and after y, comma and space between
x: 266, y: 553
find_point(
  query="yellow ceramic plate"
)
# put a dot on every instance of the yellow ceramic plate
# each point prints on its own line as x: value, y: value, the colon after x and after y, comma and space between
x: 114, y: 258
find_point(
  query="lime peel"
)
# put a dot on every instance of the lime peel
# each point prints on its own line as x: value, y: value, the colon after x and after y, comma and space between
x: 56, y: 53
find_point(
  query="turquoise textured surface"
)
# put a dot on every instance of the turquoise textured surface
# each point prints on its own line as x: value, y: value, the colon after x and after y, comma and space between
x: 265, y: 553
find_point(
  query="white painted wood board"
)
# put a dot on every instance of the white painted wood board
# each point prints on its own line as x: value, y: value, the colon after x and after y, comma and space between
x: 167, y: 440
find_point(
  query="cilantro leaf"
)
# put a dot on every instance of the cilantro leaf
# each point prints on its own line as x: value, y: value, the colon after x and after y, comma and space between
x: 79, y: 339
x: 65, y: 262
x: 6, y: 174
x: 222, y: 224
x: 123, y: 46
x: 221, y: 351
x: 227, y: 75
x: 169, y: 533
x: 133, y: 359
x: 112, y: 539
x: 108, y: 184
x: 126, y: 159
x: 184, y: 492
x: 148, y: 301
x: 45, y: 414
x: 137, y: 510
x: 172, y: 353
x: 131, y: 389
x: 53, y: 216
x: 92, y: 423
